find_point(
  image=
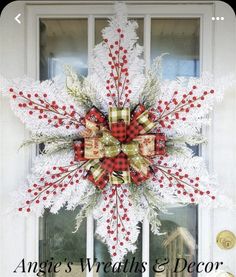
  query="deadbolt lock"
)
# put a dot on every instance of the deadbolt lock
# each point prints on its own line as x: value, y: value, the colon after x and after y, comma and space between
x: 226, y: 240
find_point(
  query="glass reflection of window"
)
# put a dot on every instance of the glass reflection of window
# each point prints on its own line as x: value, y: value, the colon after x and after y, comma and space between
x: 180, y: 39
x: 100, y: 249
x: 62, y: 41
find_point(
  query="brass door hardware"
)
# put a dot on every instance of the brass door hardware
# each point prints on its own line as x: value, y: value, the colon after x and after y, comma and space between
x: 226, y: 240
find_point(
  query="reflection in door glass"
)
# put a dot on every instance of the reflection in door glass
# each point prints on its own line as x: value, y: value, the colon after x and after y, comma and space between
x: 62, y: 42
x: 180, y: 39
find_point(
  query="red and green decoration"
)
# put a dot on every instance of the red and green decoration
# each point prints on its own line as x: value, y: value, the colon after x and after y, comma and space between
x: 116, y: 143
x: 119, y: 149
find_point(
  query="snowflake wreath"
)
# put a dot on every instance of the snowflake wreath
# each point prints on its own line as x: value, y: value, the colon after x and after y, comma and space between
x: 115, y: 142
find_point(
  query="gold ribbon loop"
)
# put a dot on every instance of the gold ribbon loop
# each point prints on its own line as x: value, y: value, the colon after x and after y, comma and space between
x: 131, y: 148
x: 111, y: 146
x: 140, y: 164
x: 116, y: 114
x: 147, y: 124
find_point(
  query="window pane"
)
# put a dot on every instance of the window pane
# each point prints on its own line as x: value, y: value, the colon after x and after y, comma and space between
x: 62, y: 41
x: 100, y: 249
x: 180, y: 38
x: 58, y: 242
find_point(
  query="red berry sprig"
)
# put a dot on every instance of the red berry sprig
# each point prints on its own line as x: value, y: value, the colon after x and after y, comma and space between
x: 40, y: 106
x: 177, y: 178
x: 118, y: 83
x: 116, y: 224
x: 170, y: 111
x: 56, y: 181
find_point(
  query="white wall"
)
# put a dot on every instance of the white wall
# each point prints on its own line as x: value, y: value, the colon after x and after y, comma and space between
x: 15, y: 230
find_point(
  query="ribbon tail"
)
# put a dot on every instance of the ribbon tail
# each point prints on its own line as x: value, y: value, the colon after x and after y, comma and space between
x: 119, y: 177
x: 140, y: 164
x: 94, y: 166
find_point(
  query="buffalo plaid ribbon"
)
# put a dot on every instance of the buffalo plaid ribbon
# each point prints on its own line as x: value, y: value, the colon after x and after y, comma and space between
x: 118, y: 154
x: 116, y: 114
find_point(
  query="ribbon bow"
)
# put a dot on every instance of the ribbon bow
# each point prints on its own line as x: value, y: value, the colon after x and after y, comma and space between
x: 118, y: 153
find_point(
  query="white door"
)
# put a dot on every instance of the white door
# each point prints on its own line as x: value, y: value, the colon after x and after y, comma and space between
x: 51, y: 34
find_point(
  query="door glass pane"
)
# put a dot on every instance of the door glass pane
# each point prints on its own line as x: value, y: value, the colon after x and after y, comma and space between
x: 100, y: 249
x: 62, y: 41
x: 180, y: 38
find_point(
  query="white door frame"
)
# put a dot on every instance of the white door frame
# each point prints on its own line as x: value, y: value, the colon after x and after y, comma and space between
x: 216, y: 51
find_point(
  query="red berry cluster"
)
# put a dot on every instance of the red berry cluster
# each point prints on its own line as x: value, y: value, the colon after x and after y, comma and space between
x: 54, y: 114
x: 170, y: 111
x: 176, y: 178
x: 56, y: 181
x: 118, y: 83
x: 116, y: 223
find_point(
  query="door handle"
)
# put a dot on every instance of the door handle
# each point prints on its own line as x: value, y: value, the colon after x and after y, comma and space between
x: 226, y: 240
